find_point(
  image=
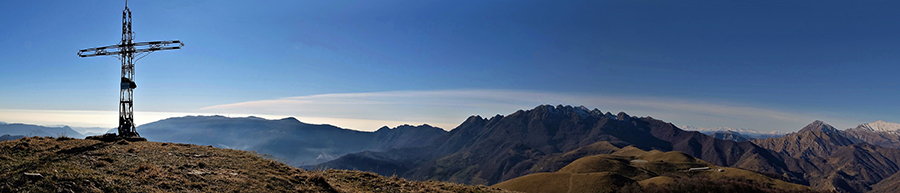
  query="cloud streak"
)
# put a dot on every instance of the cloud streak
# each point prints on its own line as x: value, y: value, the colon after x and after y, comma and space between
x: 448, y: 108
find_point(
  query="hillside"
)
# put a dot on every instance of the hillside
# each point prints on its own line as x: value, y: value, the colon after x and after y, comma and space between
x: 833, y: 160
x: 294, y: 142
x: 491, y: 150
x: 46, y: 164
x: 630, y: 169
x: 888, y: 185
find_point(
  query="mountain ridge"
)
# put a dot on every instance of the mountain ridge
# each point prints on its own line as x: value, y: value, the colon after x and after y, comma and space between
x: 740, y: 130
x: 289, y: 139
x: 833, y: 160
x: 489, y: 150
x: 878, y: 133
x: 881, y: 126
x: 726, y: 132
x: 37, y: 130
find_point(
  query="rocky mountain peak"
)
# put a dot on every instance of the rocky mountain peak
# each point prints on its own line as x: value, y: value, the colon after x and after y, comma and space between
x: 473, y: 120
x: 292, y: 119
x: 622, y: 116
x: 815, y: 140
x: 818, y: 126
x: 383, y: 129
x: 561, y: 111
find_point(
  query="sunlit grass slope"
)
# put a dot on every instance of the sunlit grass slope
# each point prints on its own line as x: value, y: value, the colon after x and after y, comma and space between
x: 633, y: 169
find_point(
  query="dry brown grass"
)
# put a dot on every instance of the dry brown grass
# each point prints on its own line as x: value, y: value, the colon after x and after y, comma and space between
x: 630, y: 169
x: 76, y: 165
x: 658, y: 180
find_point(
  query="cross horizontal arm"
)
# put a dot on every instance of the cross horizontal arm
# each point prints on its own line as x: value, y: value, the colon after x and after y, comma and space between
x: 121, y: 48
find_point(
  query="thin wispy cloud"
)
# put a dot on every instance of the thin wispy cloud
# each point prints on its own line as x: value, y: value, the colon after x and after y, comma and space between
x: 448, y: 108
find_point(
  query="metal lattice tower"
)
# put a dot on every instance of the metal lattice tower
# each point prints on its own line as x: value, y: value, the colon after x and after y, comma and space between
x: 126, y: 51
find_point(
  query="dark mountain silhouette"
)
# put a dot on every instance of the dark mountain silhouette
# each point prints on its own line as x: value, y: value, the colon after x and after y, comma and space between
x: 832, y: 160
x: 404, y: 136
x: 295, y: 142
x: 487, y: 151
x: 35, y: 130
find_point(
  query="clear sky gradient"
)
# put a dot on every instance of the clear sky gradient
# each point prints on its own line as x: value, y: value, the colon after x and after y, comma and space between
x: 766, y: 65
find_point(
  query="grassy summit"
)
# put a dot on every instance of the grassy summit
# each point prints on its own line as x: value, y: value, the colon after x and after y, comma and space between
x: 46, y: 164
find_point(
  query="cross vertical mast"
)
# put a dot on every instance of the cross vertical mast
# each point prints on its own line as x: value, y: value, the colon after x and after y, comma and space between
x: 126, y: 52
x: 126, y: 92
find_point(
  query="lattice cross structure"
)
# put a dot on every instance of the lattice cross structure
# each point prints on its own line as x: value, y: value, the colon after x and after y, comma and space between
x: 129, y: 52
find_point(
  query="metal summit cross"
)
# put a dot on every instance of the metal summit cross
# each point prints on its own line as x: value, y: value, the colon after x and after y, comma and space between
x: 126, y: 51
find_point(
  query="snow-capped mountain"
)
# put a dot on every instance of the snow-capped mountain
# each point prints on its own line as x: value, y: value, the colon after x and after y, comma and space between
x: 879, y: 133
x: 880, y: 126
x: 750, y: 133
x: 739, y: 130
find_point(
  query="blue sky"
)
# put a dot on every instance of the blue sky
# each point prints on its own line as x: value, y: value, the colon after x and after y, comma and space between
x: 362, y: 64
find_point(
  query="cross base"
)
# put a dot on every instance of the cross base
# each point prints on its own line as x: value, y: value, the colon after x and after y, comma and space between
x: 111, y: 137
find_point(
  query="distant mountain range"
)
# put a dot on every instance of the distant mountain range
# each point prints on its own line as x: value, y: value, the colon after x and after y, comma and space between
x: 491, y: 150
x: 546, y: 139
x: 734, y: 133
x: 881, y: 126
x: 730, y: 135
x: 295, y: 142
x: 878, y: 133
x: 36, y: 130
